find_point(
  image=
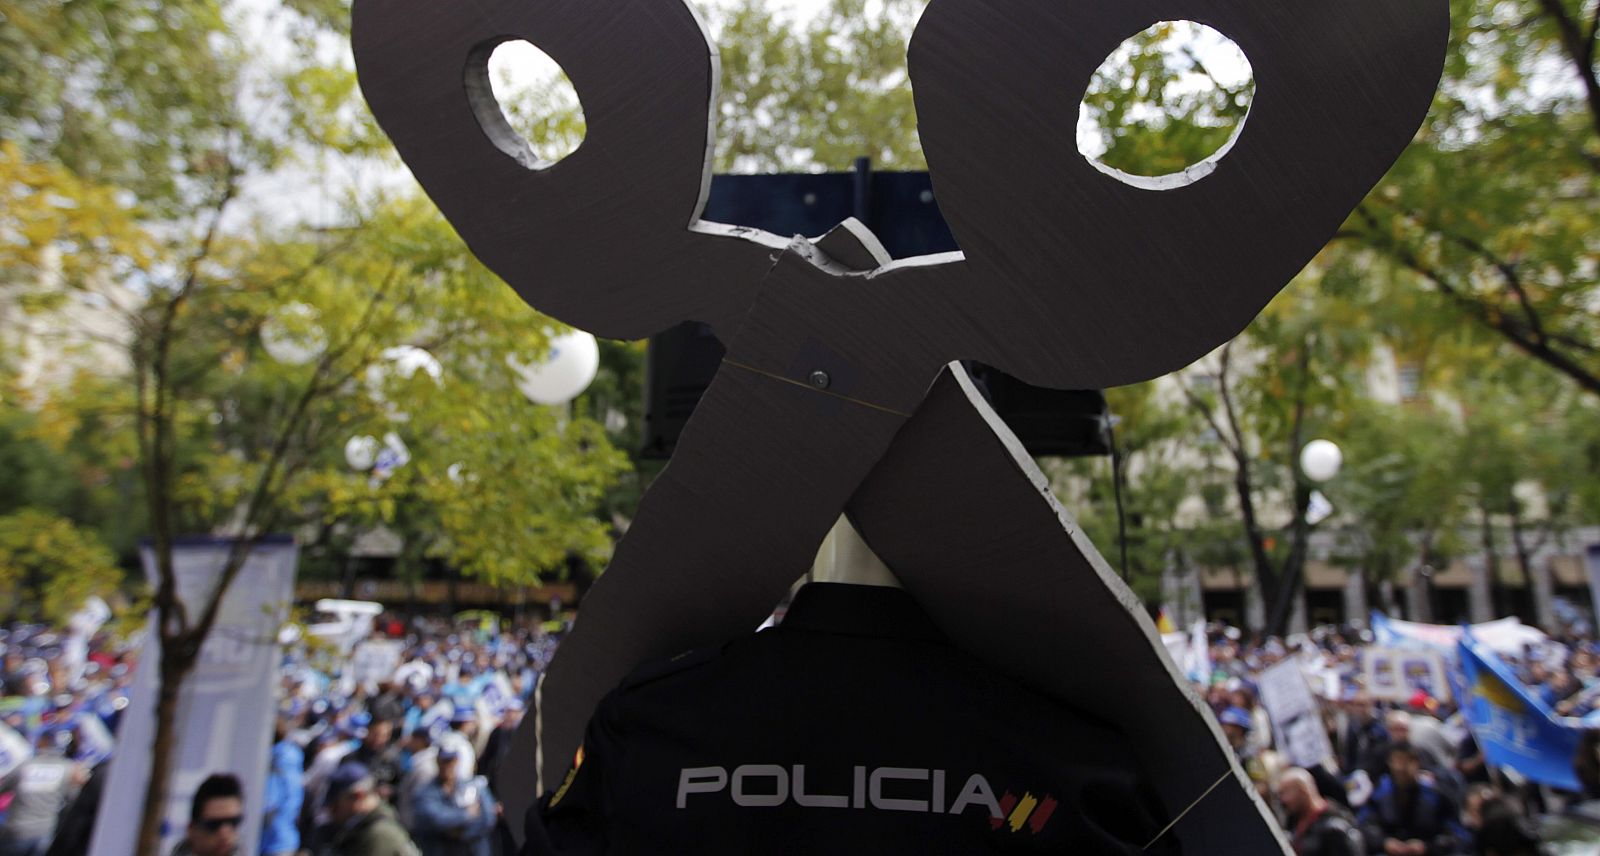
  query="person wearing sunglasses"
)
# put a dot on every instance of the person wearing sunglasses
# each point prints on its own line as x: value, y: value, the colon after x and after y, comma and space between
x: 215, y: 816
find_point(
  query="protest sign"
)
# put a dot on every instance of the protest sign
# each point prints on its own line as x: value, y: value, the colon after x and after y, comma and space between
x: 14, y: 749
x: 1395, y: 674
x: 374, y: 661
x: 1296, y: 721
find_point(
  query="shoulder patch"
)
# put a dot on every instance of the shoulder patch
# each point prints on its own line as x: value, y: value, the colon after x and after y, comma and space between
x: 655, y: 670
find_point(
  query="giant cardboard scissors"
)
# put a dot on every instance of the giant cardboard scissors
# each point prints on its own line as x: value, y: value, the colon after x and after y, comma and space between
x: 837, y: 391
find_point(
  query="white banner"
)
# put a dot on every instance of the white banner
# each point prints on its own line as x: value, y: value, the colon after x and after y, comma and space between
x: 1296, y: 721
x: 1508, y: 637
x: 226, y: 710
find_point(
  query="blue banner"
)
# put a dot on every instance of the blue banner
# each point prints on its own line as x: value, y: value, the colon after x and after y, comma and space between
x: 1513, y: 728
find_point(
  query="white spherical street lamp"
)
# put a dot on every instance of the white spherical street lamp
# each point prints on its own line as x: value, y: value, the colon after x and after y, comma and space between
x: 1320, y: 460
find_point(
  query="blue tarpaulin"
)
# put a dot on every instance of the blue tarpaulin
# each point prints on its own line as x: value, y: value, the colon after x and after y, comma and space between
x: 1514, y: 728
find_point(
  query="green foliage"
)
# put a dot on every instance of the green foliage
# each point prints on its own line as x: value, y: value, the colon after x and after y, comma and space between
x: 1402, y: 489
x: 1158, y: 105
x: 1493, y: 207
x: 137, y: 93
x: 818, y: 95
x: 196, y: 428
x: 49, y: 567
x: 528, y: 481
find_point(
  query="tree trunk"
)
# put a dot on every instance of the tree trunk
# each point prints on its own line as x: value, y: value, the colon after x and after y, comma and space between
x: 174, y: 667
x: 451, y: 575
x: 1538, y: 591
x: 348, y: 586
x: 1292, y: 576
x: 1491, y: 565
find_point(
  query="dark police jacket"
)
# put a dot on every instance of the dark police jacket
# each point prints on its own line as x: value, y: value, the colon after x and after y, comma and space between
x: 852, y: 727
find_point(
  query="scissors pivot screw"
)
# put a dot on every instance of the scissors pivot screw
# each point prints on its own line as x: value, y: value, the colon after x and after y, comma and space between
x: 820, y: 379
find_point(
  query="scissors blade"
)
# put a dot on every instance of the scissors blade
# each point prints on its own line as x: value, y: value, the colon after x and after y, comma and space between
x: 756, y: 482
x: 1009, y: 576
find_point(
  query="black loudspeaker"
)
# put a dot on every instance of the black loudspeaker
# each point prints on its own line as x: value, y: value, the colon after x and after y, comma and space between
x: 900, y: 209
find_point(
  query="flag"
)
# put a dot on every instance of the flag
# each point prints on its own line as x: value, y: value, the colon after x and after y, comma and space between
x: 1514, y: 728
x: 1198, y: 665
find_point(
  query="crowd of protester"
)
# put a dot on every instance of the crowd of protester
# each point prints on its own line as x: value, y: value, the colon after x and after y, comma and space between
x: 361, y: 765
x: 409, y: 760
x: 1406, y: 777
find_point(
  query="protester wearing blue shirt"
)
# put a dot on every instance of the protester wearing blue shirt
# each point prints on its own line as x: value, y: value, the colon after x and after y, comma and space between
x: 283, y: 796
x: 452, y: 817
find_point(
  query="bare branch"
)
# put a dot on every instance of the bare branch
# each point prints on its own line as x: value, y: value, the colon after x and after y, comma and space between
x: 1580, y: 49
x: 1478, y: 310
x: 1206, y: 411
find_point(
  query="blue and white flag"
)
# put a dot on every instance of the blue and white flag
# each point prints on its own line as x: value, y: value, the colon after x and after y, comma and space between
x: 1514, y: 728
x: 1505, y: 636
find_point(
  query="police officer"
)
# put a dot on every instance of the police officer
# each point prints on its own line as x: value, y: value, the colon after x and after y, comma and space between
x: 854, y: 726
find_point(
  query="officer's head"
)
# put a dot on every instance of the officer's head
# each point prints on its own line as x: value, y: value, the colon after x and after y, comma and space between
x: 1404, y: 764
x: 215, y: 815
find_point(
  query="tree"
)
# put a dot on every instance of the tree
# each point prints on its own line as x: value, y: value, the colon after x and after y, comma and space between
x: 1264, y: 396
x: 816, y: 94
x: 49, y: 567
x: 223, y: 438
x: 1401, y: 495
x: 1493, y: 207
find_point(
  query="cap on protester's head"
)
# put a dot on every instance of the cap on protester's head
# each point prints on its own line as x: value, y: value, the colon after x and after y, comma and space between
x: 463, y: 715
x: 1420, y: 700
x: 1235, y: 716
x: 350, y: 776
x: 449, y: 752
x: 355, y: 726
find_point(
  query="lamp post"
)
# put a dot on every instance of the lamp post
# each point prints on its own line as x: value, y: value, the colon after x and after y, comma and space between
x: 1319, y: 461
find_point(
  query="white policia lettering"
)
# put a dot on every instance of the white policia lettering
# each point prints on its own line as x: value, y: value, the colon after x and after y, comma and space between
x: 767, y: 785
